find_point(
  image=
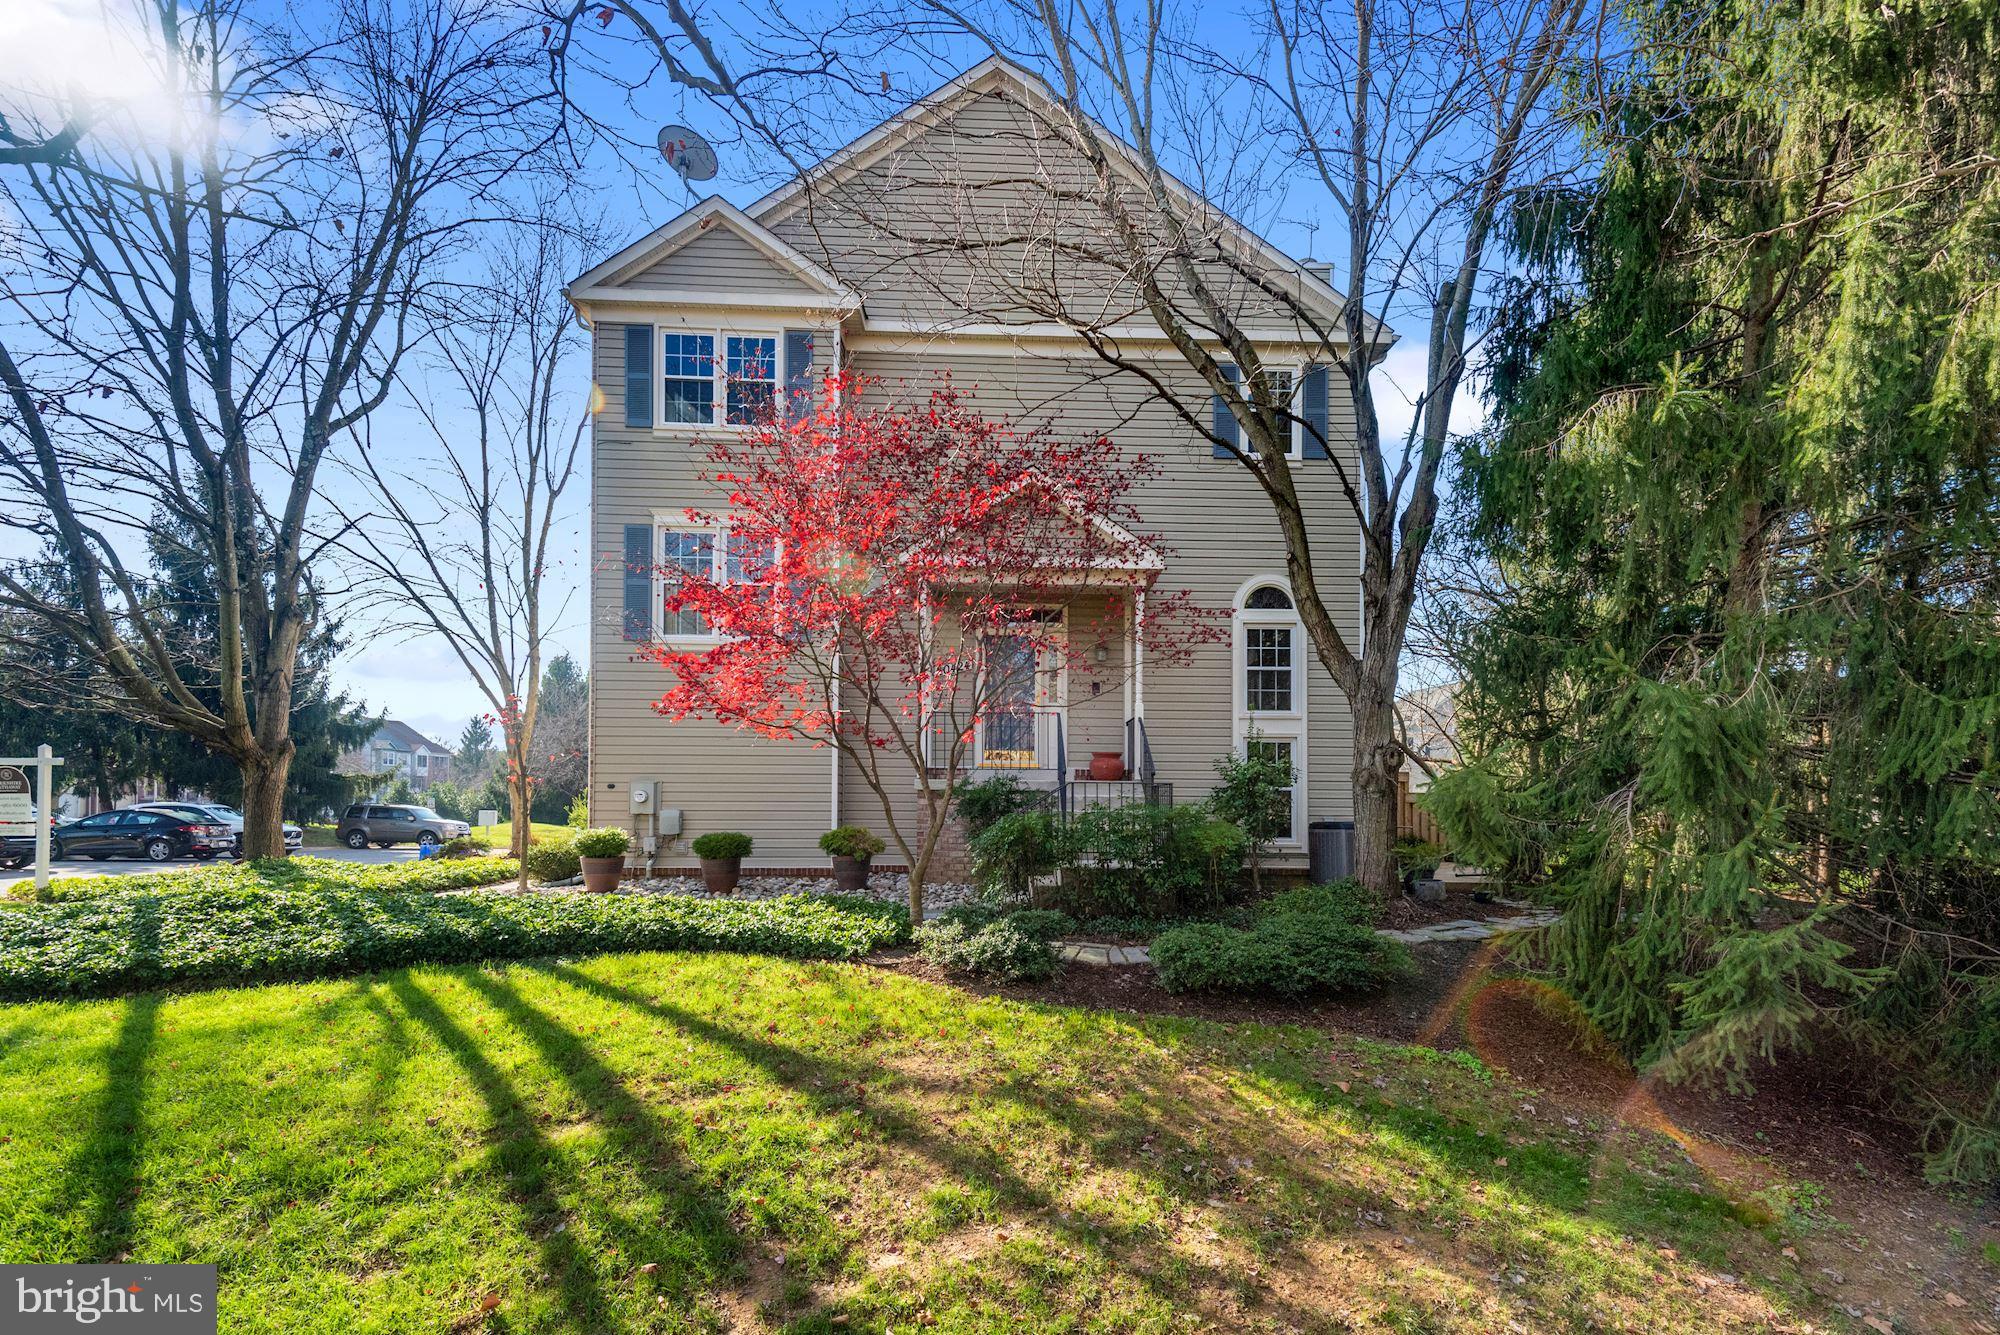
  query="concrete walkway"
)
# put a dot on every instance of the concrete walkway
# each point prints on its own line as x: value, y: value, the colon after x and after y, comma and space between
x: 1465, y: 929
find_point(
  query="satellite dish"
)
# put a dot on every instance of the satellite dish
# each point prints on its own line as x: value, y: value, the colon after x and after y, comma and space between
x: 687, y: 153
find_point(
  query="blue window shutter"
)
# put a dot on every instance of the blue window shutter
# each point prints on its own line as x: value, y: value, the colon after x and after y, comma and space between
x: 639, y: 577
x: 638, y: 375
x: 800, y: 391
x: 1221, y: 420
x: 1312, y: 396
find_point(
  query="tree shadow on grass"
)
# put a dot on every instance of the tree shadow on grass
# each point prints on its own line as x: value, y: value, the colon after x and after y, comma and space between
x: 1131, y: 1249
x: 105, y: 1168
x: 523, y: 1154
x: 690, y: 1220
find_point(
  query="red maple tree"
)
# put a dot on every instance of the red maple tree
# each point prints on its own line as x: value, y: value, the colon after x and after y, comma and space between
x: 901, y: 583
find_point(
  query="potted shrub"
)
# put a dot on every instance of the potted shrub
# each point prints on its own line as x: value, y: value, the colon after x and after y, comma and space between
x: 852, y: 849
x: 722, y: 853
x: 602, y: 852
x: 1419, y: 860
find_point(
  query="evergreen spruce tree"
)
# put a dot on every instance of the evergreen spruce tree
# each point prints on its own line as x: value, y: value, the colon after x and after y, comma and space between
x: 1737, y: 701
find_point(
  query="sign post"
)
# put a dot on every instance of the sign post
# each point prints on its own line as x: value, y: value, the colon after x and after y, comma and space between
x: 19, y: 812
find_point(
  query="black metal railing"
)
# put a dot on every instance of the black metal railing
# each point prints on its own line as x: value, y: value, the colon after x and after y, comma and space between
x: 1076, y: 794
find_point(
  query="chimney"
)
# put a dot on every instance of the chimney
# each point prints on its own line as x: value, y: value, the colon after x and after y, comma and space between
x: 1320, y: 269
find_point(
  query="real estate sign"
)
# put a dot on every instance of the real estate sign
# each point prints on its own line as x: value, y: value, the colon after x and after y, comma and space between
x: 17, y: 812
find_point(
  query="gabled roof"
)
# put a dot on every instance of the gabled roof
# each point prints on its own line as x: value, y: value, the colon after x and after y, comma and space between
x: 407, y: 738
x: 998, y: 74
x: 710, y: 213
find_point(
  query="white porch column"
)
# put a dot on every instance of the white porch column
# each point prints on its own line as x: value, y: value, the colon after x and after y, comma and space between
x: 1139, y: 655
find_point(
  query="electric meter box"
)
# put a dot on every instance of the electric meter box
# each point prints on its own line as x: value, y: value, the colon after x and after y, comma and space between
x: 642, y: 796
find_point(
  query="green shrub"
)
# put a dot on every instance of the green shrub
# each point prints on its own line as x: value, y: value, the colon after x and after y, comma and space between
x: 1042, y: 924
x: 1310, y: 940
x: 1148, y: 860
x: 1015, y: 850
x: 295, y: 873
x: 577, y: 814
x: 981, y: 805
x: 1347, y: 900
x: 1294, y: 954
x: 122, y: 942
x: 1254, y: 793
x: 999, y: 950
x: 850, y: 841
x: 723, y: 844
x: 464, y: 846
x: 606, y: 841
x: 1416, y: 857
x: 554, y: 858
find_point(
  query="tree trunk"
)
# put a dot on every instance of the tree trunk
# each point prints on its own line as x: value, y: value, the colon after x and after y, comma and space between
x: 520, y: 804
x: 1377, y: 762
x: 264, y: 777
x: 520, y: 793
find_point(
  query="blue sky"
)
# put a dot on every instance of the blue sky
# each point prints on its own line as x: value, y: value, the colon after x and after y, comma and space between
x: 414, y: 676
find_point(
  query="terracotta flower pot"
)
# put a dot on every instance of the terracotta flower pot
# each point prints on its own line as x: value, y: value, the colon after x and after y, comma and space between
x: 1107, y: 766
x: 851, y: 873
x: 601, y: 875
x: 720, y: 875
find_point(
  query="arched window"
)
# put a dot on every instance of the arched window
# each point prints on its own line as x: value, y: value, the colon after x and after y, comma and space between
x: 1269, y: 691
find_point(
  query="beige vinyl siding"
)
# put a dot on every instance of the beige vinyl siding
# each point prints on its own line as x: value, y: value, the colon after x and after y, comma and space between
x: 1218, y: 532
x: 962, y: 222
x: 719, y: 260
x: 721, y: 778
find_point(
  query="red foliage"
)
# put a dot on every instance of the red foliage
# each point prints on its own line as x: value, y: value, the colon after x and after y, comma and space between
x: 874, y: 552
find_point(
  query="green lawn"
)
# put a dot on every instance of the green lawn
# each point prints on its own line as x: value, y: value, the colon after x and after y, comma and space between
x: 701, y: 1142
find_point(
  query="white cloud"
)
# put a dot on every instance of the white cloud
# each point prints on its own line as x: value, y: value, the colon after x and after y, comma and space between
x: 57, y: 53
x: 1398, y: 382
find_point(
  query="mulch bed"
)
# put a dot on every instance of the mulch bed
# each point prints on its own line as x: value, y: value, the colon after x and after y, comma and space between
x: 1405, y: 912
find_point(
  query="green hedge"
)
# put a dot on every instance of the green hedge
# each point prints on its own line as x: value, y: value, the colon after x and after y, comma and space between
x: 1314, y: 939
x: 297, y: 873
x: 118, y: 943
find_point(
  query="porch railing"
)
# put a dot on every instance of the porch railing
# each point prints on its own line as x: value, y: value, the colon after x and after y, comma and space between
x: 1138, y: 787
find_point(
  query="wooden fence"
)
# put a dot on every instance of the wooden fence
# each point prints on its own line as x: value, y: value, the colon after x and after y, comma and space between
x: 1412, y: 819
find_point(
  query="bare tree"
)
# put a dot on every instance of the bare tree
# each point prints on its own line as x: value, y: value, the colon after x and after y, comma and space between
x: 202, y: 302
x: 462, y: 540
x: 1419, y: 122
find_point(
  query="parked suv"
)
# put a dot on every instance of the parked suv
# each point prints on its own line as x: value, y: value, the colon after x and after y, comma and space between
x: 295, y: 836
x: 139, y: 834
x: 369, y: 823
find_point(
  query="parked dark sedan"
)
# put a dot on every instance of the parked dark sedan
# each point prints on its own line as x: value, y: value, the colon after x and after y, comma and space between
x: 140, y: 834
x: 295, y: 836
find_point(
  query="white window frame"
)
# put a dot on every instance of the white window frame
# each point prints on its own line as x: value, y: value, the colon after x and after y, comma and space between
x: 1296, y: 450
x: 718, y: 568
x: 1271, y: 725
x: 718, y: 371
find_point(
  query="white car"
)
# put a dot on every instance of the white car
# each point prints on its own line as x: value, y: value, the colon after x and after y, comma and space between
x: 295, y: 837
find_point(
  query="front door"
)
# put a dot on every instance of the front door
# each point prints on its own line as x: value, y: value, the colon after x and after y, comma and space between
x: 1017, y: 729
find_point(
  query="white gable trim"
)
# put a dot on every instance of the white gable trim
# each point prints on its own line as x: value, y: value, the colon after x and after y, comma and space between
x: 996, y: 73
x: 703, y: 217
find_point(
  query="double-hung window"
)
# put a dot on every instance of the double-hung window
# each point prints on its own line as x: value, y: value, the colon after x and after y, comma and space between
x: 1284, y: 389
x: 707, y: 554
x: 685, y: 551
x: 687, y: 393
x: 717, y: 379
x: 1268, y: 669
x: 750, y: 378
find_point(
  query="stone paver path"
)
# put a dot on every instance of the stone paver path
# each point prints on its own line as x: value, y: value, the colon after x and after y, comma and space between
x: 1466, y: 929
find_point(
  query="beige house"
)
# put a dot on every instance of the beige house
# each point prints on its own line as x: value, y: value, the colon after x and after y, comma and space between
x: 848, y: 266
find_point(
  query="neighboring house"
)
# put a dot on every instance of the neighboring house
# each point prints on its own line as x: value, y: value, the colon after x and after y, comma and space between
x: 397, y: 751
x: 812, y: 277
